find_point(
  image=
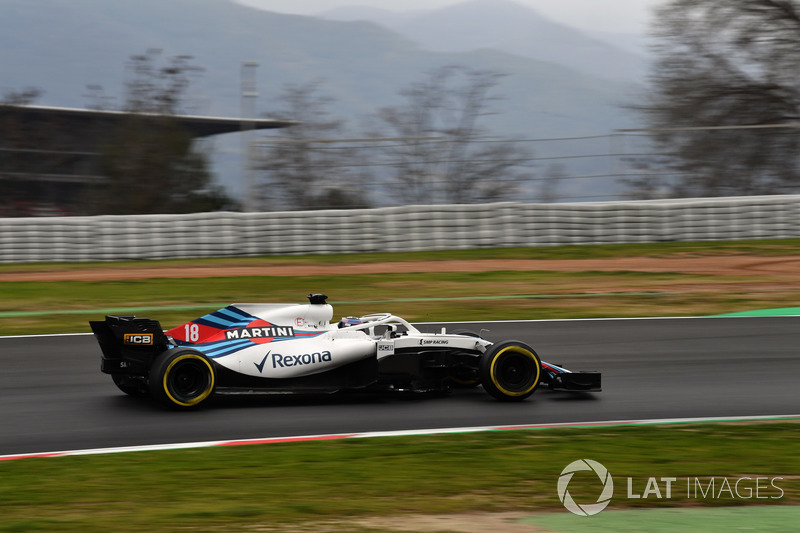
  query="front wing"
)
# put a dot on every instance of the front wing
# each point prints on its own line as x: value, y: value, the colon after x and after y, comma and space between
x: 561, y: 379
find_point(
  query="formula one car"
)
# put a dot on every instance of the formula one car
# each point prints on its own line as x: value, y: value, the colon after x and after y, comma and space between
x: 294, y: 348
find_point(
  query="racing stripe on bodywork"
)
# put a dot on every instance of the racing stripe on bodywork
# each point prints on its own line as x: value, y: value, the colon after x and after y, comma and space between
x: 553, y: 370
x: 217, y: 349
x: 303, y: 334
x: 227, y: 318
x: 214, y: 350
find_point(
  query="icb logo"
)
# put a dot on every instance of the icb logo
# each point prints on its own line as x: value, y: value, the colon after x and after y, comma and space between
x: 591, y: 508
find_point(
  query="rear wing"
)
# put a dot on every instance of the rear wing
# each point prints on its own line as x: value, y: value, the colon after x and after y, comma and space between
x: 120, y: 336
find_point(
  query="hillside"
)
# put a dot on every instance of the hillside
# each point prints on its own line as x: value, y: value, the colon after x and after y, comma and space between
x: 509, y: 27
x: 61, y: 46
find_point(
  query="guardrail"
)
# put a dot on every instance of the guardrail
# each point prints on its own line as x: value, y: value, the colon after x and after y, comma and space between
x: 395, y: 229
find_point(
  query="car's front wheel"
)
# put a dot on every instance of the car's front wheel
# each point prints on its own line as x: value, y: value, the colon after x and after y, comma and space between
x: 510, y: 371
x: 182, y: 378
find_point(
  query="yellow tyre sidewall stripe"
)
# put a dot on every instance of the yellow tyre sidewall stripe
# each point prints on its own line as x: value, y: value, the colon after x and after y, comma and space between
x: 205, y: 393
x: 519, y: 350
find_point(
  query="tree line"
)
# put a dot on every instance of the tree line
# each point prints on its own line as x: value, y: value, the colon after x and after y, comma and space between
x: 436, y: 155
x: 723, y: 99
x: 722, y: 106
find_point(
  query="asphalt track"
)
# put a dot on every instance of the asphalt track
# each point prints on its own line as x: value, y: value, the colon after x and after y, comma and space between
x: 53, y: 396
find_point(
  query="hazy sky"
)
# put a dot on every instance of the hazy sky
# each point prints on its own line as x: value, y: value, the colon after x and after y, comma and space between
x: 626, y: 16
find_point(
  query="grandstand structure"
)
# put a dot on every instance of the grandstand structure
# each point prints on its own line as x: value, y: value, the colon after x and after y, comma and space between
x: 49, y: 155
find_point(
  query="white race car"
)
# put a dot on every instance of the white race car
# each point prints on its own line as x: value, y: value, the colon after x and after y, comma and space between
x: 295, y: 348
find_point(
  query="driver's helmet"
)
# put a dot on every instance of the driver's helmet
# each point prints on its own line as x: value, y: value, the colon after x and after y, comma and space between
x: 348, y: 321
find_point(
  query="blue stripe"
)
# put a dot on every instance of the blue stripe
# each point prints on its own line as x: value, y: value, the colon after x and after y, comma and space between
x: 556, y: 368
x: 226, y: 318
x: 222, y: 354
x: 305, y: 334
x: 234, y: 312
x: 218, y: 349
x: 212, y: 322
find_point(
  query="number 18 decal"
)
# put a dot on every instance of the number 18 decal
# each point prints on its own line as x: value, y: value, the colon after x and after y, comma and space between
x: 192, y: 332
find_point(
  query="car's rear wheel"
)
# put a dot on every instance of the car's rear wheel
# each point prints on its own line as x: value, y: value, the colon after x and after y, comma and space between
x: 182, y: 378
x: 510, y: 371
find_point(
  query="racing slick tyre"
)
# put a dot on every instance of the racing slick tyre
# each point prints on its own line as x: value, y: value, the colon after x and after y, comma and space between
x: 510, y: 371
x: 182, y: 378
x: 129, y: 385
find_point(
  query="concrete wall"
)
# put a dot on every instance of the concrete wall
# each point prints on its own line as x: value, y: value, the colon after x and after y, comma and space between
x: 395, y: 229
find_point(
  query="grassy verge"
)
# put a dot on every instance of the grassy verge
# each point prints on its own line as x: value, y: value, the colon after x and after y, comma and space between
x: 418, y: 297
x: 290, y: 485
x: 777, y: 247
x: 297, y: 486
x: 65, y: 306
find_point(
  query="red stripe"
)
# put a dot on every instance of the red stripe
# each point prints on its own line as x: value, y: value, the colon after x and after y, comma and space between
x: 286, y: 439
x: 30, y: 456
x: 408, y: 433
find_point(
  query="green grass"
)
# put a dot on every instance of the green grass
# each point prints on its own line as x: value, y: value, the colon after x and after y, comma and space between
x: 66, y: 306
x: 57, y: 307
x: 775, y: 247
x: 238, y: 488
x: 764, y: 519
x: 285, y: 486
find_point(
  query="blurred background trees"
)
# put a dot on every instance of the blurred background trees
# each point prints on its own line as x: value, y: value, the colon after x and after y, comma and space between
x: 154, y: 166
x: 431, y: 148
x: 302, y: 166
x: 722, y: 110
x: 724, y: 89
x: 444, y: 153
